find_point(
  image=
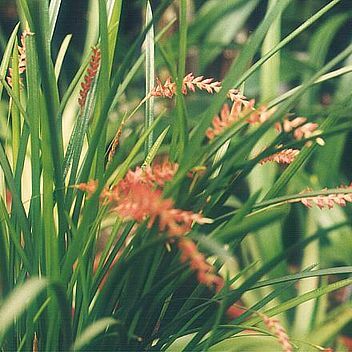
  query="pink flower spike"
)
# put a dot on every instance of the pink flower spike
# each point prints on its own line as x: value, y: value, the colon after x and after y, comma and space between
x: 328, y: 201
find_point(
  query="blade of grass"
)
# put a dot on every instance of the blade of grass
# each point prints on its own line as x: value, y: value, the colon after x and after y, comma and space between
x: 34, y: 126
x: 117, y: 79
x: 15, y: 114
x: 15, y: 238
x: 179, y: 139
x: 39, y: 21
x: 155, y: 147
x: 299, y: 276
x: 16, y: 200
x: 61, y: 55
x: 250, y: 223
x: 301, y: 299
x: 113, y: 29
x: 92, y: 332
x: 82, y: 232
x: 149, y: 77
x: 7, y: 55
x: 323, y: 78
x: 53, y: 14
x: 18, y: 301
x: 333, y: 325
x: 310, y: 21
x: 132, y: 72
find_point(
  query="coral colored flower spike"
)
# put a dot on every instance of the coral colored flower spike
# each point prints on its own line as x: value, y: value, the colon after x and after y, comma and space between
x: 286, y: 156
x: 273, y: 324
x: 92, y: 71
x: 189, y: 83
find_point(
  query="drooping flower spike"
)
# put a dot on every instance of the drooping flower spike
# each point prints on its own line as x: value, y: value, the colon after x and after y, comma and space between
x: 189, y: 83
x: 328, y: 201
x: 205, y: 272
x: 274, y: 326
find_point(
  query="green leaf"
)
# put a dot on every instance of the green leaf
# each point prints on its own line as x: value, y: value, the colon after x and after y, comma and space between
x: 335, y: 321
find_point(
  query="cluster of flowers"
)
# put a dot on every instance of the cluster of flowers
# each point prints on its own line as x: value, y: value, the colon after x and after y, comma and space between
x: 328, y: 201
x: 241, y: 108
x: 300, y: 129
x: 21, y: 57
x: 245, y: 109
x: 92, y: 71
x: 138, y: 196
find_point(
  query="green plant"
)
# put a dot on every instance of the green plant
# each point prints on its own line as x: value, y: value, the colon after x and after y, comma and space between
x: 129, y: 234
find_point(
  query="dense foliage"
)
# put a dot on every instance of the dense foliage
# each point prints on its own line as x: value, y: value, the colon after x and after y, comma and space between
x: 175, y: 175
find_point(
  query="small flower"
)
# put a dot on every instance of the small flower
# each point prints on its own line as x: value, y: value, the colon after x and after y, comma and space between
x: 273, y: 324
x: 138, y: 197
x: 166, y: 90
x: 300, y: 128
x: 235, y: 95
x: 22, y: 61
x: 260, y: 115
x: 89, y: 187
x: 286, y: 156
x: 289, y: 125
x: 92, y: 71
